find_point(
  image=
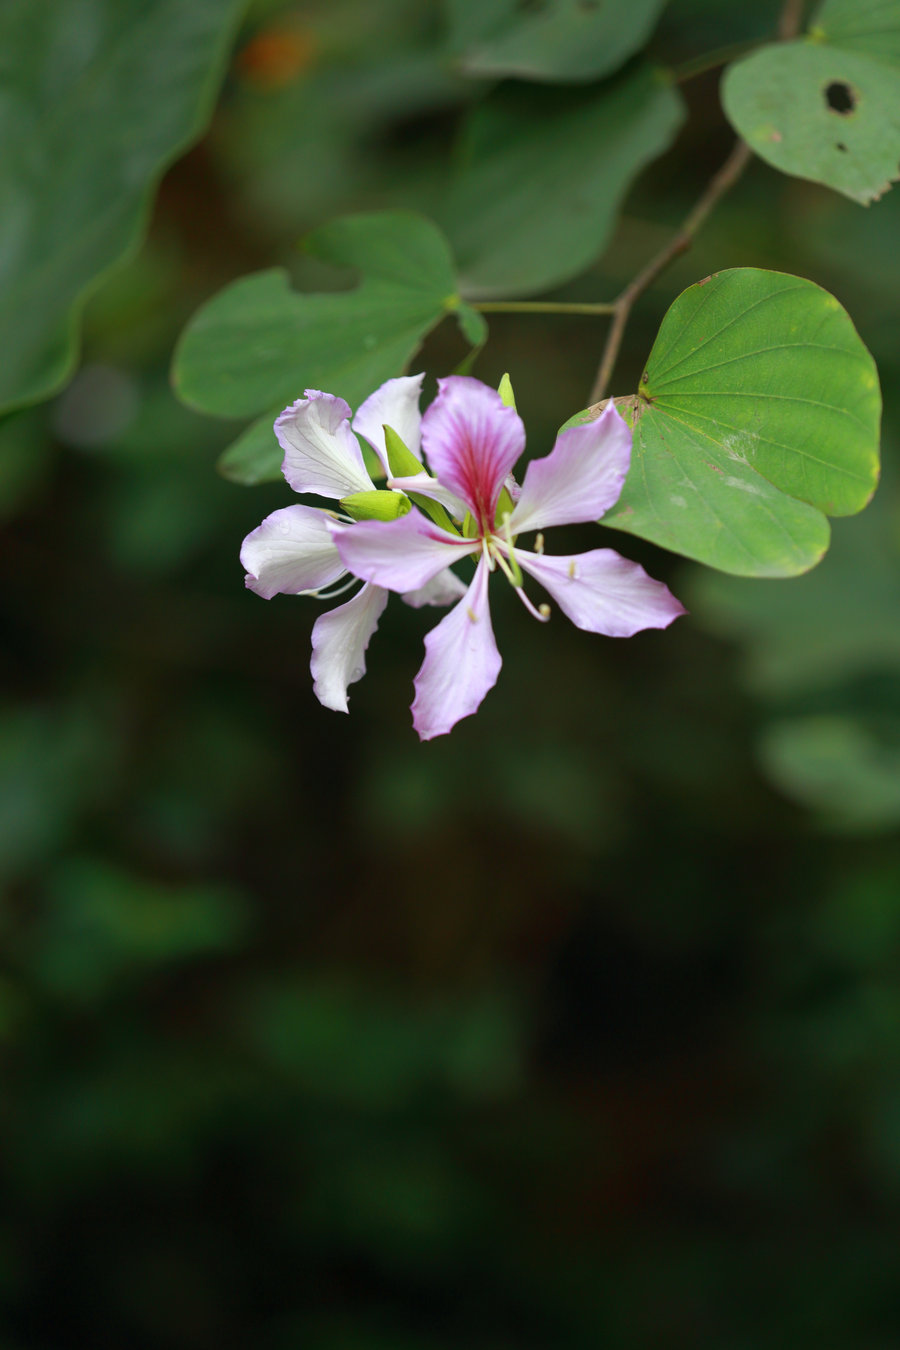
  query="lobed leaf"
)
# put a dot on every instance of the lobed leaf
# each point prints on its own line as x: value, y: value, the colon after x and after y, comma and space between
x: 758, y: 415
x: 258, y: 344
x: 123, y: 86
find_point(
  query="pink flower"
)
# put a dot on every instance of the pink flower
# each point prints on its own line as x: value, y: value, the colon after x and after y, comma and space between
x: 471, y: 441
x: 292, y: 552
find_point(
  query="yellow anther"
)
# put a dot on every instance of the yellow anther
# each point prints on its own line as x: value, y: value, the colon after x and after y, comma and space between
x: 539, y: 544
x: 572, y: 569
x: 544, y: 610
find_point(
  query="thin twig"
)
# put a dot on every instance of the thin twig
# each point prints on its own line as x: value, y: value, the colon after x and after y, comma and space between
x: 699, y: 65
x: 543, y: 307
x: 720, y: 183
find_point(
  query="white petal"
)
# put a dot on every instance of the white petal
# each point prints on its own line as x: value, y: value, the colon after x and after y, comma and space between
x: 321, y: 453
x: 339, y: 642
x: 603, y: 592
x: 291, y: 552
x: 581, y: 478
x: 395, y: 404
x: 440, y: 590
x: 401, y: 554
x: 461, y: 663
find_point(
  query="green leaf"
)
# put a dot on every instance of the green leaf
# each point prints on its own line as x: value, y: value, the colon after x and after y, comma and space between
x: 758, y: 415
x: 560, y: 40
x: 98, y: 97
x: 827, y: 107
x: 258, y: 344
x: 542, y: 176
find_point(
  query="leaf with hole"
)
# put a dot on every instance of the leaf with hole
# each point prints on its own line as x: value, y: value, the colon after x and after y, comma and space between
x: 542, y: 174
x: 827, y: 106
x: 98, y: 97
x: 258, y: 344
x: 758, y: 416
x: 554, y: 40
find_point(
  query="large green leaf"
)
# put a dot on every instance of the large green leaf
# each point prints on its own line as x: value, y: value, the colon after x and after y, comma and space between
x: 542, y: 175
x: 827, y: 107
x: 258, y: 344
x: 758, y: 415
x: 558, y: 40
x: 96, y: 98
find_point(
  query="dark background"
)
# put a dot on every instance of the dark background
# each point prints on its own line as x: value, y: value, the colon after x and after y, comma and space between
x: 578, y: 1028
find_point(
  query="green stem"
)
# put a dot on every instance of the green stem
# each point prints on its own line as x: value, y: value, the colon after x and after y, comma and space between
x: 542, y: 307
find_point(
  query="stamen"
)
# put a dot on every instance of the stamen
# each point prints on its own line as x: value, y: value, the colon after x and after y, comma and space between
x: 573, y: 570
x: 539, y: 543
x: 326, y: 594
x: 542, y: 613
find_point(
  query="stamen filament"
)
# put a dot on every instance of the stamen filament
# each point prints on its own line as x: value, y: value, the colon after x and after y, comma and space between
x: 326, y: 594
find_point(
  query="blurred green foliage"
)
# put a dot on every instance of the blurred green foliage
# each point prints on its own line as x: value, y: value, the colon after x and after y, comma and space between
x: 577, y: 1028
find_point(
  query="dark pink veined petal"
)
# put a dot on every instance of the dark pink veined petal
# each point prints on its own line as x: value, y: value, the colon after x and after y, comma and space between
x: 291, y: 552
x: 321, y: 453
x: 339, y: 642
x: 401, y: 554
x: 603, y: 592
x: 394, y: 404
x: 461, y: 663
x: 471, y: 441
x: 581, y: 478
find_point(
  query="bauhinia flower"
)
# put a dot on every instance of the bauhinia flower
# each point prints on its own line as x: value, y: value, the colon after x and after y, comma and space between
x: 292, y: 552
x: 471, y: 440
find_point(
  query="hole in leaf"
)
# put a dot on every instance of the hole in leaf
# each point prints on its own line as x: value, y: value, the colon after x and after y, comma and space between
x: 839, y: 145
x: 840, y: 98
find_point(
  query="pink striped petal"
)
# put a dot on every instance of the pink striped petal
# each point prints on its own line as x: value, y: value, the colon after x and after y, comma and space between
x: 321, y: 453
x: 461, y: 663
x: 581, y: 478
x: 395, y: 404
x: 603, y: 592
x: 291, y: 552
x: 472, y: 440
x: 400, y: 554
x: 339, y: 642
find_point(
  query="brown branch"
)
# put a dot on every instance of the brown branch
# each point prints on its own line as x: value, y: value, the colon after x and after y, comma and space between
x: 720, y: 183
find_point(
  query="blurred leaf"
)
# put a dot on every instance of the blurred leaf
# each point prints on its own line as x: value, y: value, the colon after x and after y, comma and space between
x: 826, y: 107
x: 565, y: 40
x: 99, y: 96
x: 836, y: 624
x: 362, y: 1046
x: 259, y: 344
x: 542, y: 176
x: 759, y: 411
x: 103, y: 923
x: 840, y: 766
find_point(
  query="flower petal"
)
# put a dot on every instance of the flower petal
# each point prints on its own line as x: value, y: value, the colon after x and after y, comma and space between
x: 395, y: 404
x: 400, y: 554
x: 603, y: 592
x: 291, y: 552
x: 441, y: 590
x: 581, y: 478
x: 339, y: 642
x: 461, y: 663
x: 321, y: 453
x: 426, y: 486
x: 472, y: 440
